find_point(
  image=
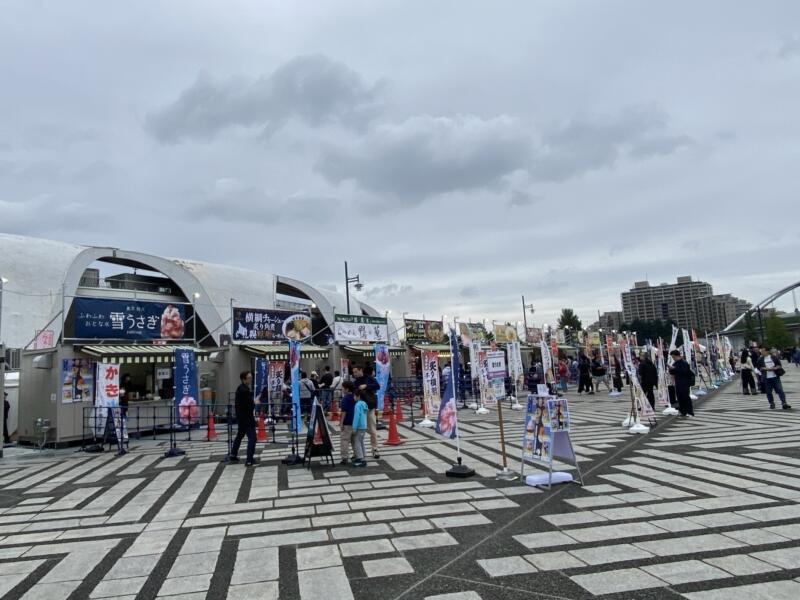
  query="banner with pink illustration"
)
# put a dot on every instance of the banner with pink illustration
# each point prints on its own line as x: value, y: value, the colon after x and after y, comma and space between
x: 185, y: 385
x: 383, y: 368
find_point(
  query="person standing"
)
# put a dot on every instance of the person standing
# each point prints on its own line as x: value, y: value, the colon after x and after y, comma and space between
x: 360, y: 423
x: 368, y: 387
x: 326, y: 381
x: 599, y: 374
x: 796, y: 357
x: 682, y: 373
x: 245, y: 420
x: 563, y: 373
x: 584, y: 375
x: 307, y: 392
x: 648, y: 377
x: 755, y: 356
x: 346, y: 434
x: 746, y: 368
x: 770, y: 366
x: 6, y: 409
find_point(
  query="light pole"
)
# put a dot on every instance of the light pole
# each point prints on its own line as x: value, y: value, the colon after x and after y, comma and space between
x: 3, y: 280
x: 195, y: 296
x: 525, y: 308
x: 347, y: 281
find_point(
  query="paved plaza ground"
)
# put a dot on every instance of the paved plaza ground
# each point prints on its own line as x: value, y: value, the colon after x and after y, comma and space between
x: 705, y: 508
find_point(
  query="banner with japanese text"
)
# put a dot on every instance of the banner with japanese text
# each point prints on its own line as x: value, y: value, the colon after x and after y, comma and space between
x: 505, y: 333
x: 496, y: 374
x: 447, y: 419
x: 515, y: 367
x: 77, y: 380
x: 102, y: 318
x: 185, y: 385
x: 356, y: 328
x: 259, y: 376
x: 430, y: 382
x: 472, y: 332
x: 106, y: 395
x: 418, y: 331
x: 264, y: 325
x: 344, y: 365
x: 294, y: 371
x: 383, y: 368
x: 277, y: 371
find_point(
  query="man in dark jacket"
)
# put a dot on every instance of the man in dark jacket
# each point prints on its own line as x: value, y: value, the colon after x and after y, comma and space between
x: 369, y: 387
x: 245, y: 420
x: 584, y: 375
x: 682, y: 373
x: 648, y: 377
x: 326, y: 380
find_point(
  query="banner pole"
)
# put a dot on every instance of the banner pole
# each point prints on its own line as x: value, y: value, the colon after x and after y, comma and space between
x: 504, y: 474
x: 458, y: 470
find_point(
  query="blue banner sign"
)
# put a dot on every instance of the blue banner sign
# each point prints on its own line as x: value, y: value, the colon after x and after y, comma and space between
x: 97, y: 318
x: 185, y: 385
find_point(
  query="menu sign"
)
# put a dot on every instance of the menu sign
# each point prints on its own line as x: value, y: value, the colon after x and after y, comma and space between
x: 424, y: 332
x: 264, y: 325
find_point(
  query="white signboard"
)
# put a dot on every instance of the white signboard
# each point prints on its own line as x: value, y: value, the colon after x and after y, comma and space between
x: 353, y: 328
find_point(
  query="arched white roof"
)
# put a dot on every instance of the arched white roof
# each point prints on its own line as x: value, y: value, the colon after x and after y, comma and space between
x: 37, y: 270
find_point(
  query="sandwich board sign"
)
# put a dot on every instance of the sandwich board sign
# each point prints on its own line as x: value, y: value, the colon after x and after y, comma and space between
x: 546, y: 438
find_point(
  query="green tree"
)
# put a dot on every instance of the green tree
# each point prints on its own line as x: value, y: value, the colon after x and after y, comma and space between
x: 569, y: 319
x: 775, y: 333
x: 750, y: 329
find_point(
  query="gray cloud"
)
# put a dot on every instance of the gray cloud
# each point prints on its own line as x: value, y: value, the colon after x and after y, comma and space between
x: 790, y: 48
x: 313, y: 89
x: 586, y: 144
x: 424, y: 155
x: 520, y: 198
x: 387, y: 291
x: 471, y: 291
x: 233, y: 201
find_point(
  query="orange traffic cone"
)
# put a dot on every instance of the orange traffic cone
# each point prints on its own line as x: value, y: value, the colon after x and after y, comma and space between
x: 394, y: 436
x: 211, y: 434
x: 334, y: 411
x: 261, y: 430
x: 387, y: 410
x: 317, y: 436
x: 398, y: 409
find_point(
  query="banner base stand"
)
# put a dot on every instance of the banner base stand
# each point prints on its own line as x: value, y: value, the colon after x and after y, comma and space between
x: 174, y: 452
x: 639, y: 428
x: 459, y: 470
x: 670, y: 412
x: 614, y: 394
x: 426, y: 422
x: 517, y: 406
x: 505, y: 474
x: 546, y: 479
x: 701, y: 392
x: 472, y: 406
x: 628, y: 422
x: 482, y: 411
x: 292, y: 459
x: 692, y: 397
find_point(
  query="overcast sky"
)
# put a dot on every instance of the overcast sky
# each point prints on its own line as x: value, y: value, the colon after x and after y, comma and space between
x: 457, y: 154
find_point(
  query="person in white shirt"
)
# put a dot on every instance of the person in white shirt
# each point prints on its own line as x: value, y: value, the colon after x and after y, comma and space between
x: 747, y: 372
x: 770, y: 365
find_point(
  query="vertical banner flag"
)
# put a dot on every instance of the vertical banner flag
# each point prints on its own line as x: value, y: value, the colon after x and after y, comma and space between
x: 260, y: 377
x: 277, y: 371
x: 446, y: 420
x: 185, y: 386
x: 609, y: 348
x: 474, y: 359
x: 344, y: 365
x: 106, y: 395
x: 496, y: 373
x: 383, y: 368
x: 546, y: 362
x: 663, y: 391
x: 483, y: 377
x: 294, y: 369
x: 515, y: 368
x: 536, y: 441
x: 430, y: 382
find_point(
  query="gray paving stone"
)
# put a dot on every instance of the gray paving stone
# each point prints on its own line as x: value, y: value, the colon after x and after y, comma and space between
x: 786, y: 558
x: 254, y: 591
x: 330, y: 582
x: 741, y: 564
x: 507, y: 565
x: 756, y: 537
x: 456, y: 596
x: 687, y: 571
x: 384, y: 567
x: 316, y: 557
x: 381, y: 546
x: 554, y: 561
x: 689, y: 545
x: 544, y: 539
x: 426, y: 540
x: 602, y: 555
x: 772, y: 590
x: 614, y: 582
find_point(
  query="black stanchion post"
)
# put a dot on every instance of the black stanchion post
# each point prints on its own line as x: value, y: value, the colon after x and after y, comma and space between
x: 173, y: 442
x: 154, y: 423
x: 230, y: 430
x: 294, y: 458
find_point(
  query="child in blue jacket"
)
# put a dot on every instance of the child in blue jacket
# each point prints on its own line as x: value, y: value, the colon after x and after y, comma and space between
x: 359, y: 429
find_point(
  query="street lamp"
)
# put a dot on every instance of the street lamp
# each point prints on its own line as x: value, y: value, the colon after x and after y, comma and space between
x: 525, y: 308
x: 347, y: 281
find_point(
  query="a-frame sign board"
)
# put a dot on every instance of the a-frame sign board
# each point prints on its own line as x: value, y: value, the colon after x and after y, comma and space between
x: 545, y: 438
x: 318, y: 437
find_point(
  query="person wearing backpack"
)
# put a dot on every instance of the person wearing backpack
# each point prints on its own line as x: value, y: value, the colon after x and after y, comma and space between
x: 770, y: 366
x: 684, y: 379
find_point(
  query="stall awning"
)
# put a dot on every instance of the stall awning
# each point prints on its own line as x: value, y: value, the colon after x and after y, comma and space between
x: 281, y: 351
x: 433, y: 347
x: 364, y: 350
x: 137, y: 354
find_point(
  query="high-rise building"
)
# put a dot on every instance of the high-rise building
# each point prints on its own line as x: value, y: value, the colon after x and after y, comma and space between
x: 666, y: 301
x: 713, y: 313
